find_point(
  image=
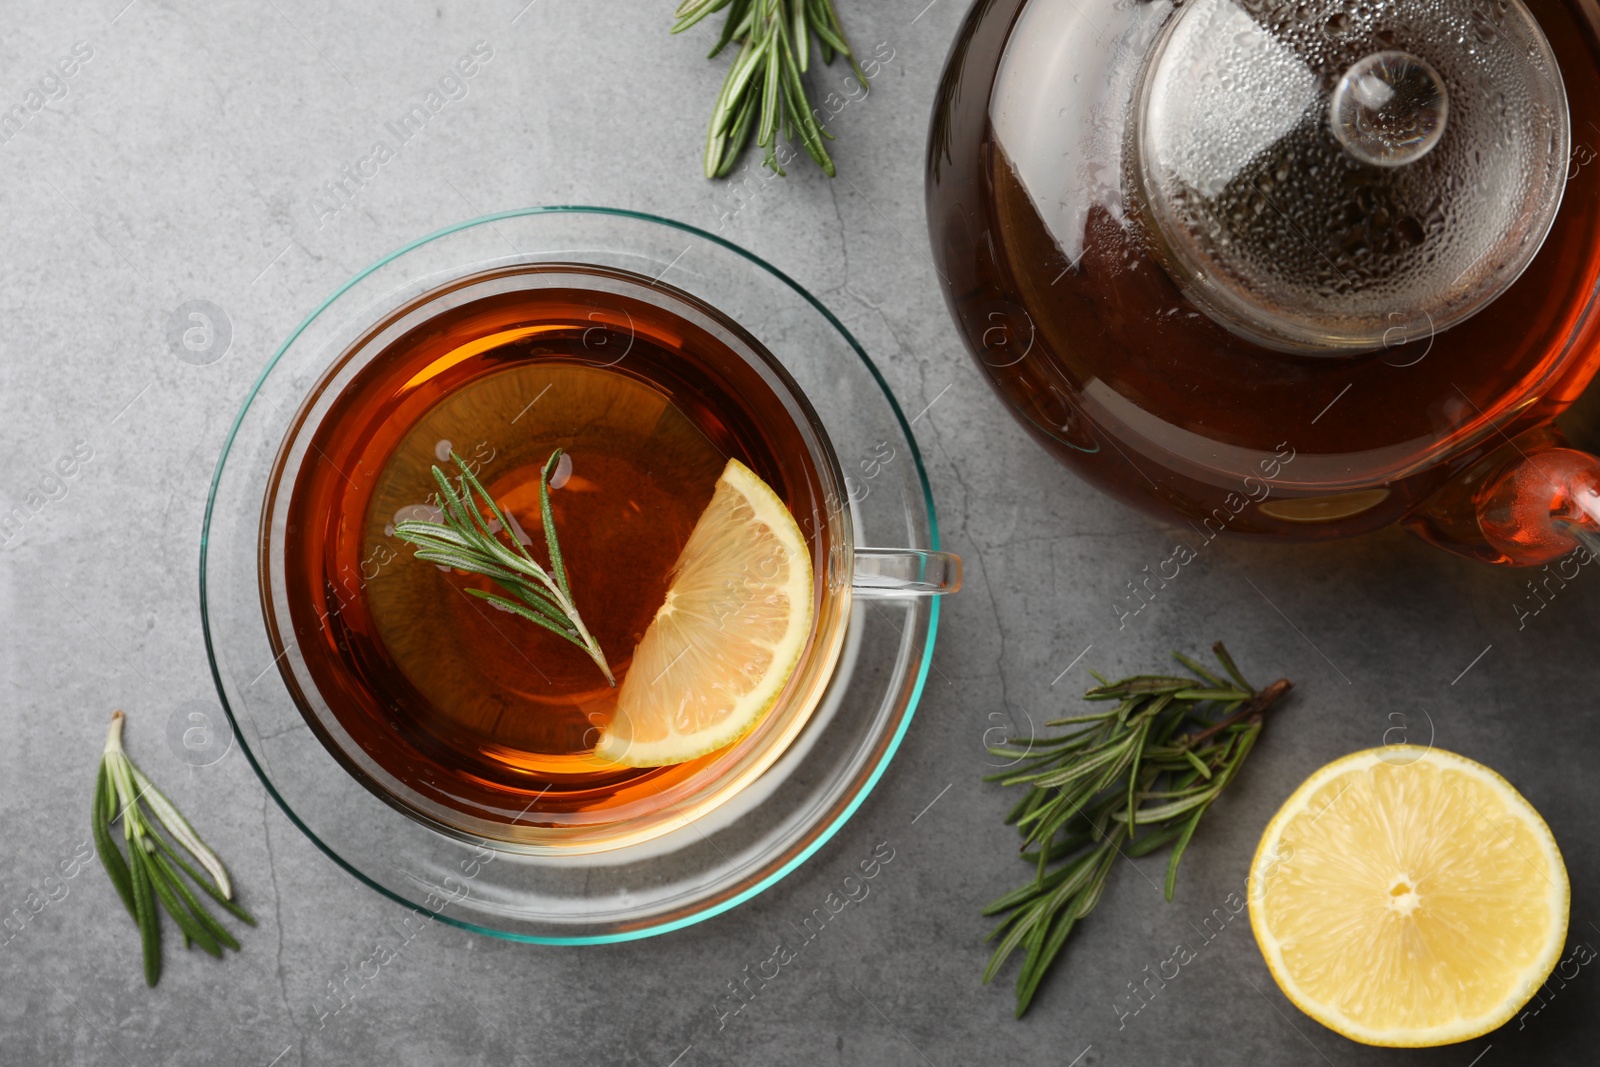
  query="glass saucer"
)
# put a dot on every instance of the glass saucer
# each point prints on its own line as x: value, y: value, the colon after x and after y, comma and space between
x: 707, y: 865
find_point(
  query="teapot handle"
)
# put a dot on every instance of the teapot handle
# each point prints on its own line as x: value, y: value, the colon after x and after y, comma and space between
x: 1544, y: 506
x: 1531, y: 502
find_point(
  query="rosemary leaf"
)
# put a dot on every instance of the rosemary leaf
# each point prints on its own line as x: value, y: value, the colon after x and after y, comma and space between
x: 1062, y: 846
x: 1199, y: 764
x: 1211, y: 694
x: 1149, y: 842
x: 1184, y: 838
x: 1025, y: 805
x: 1094, y: 717
x: 1087, y: 765
x: 1141, y: 684
x: 180, y: 830
x: 1228, y: 665
x: 1162, y: 812
x: 518, y: 609
x: 1199, y: 669
x: 111, y: 859
x: 548, y: 519
x: 149, y: 928
x: 1025, y: 893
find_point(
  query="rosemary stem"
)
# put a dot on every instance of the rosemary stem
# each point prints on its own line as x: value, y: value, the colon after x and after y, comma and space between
x: 114, y: 733
x: 1256, y: 706
x: 590, y: 645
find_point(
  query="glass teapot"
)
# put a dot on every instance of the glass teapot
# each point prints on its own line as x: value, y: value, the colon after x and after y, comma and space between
x: 1290, y: 269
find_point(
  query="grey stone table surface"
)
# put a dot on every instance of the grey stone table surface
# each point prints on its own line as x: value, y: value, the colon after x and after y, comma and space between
x: 189, y: 156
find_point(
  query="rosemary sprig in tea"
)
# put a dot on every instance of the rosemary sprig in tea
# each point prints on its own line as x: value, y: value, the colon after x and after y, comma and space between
x: 763, y: 88
x: 466, y: 540
x: 1129, y: 780
x: 149, y: 875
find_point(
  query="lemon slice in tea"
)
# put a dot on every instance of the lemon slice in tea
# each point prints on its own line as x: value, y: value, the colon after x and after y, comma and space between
x: 1407, y: 896
x: 726, y: 639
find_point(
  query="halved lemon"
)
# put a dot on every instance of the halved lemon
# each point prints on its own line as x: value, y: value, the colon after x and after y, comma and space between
x: 1407, y: 896
x: 728, y: 636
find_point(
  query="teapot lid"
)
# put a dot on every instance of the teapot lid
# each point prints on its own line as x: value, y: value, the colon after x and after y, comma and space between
x: 1336, y: 176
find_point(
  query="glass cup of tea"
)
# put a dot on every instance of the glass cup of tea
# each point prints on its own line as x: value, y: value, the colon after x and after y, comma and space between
x: 400, y: 720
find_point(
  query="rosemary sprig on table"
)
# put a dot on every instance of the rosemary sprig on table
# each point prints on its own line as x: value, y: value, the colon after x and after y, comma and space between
x: 149, y: 875
x: 466, y: 540
x: 763, y: 89
x: 1128, y: 780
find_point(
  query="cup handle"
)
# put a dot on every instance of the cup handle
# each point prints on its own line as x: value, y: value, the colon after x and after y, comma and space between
x: 899, y: 573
